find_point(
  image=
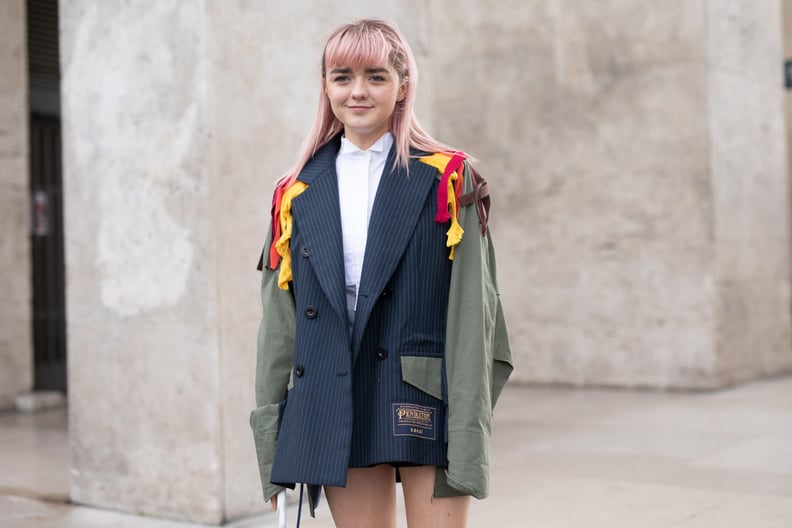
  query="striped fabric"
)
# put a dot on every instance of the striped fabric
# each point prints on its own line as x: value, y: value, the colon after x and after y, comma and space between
x: 350, y: 405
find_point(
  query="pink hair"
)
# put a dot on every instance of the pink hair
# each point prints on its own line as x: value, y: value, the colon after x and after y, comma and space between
x: 358, y: 45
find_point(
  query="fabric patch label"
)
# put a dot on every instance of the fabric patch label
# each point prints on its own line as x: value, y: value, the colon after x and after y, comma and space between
x: 414, y: 420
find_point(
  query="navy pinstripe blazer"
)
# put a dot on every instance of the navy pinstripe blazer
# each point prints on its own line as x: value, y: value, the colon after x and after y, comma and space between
x: 341, y: 381
x: 316, y: 382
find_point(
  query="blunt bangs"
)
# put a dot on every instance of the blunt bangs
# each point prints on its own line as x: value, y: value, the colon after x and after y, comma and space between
x: 357, y: 48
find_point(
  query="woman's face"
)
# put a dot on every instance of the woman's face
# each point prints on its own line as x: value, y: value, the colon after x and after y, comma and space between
x: 363, y: 100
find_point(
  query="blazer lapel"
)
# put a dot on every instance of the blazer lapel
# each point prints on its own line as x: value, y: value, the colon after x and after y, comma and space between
x: 319, y: 222
x: 397, y: 205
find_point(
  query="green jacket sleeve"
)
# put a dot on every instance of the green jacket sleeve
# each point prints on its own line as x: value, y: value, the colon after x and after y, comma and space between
x: 274, y: 357
x: 478, y: 359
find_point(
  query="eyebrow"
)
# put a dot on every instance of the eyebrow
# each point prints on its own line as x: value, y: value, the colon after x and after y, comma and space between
x: 367, y: 70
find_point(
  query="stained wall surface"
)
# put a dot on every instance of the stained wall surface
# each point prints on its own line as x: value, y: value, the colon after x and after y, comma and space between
x: 748, y: 157
x: 636, y: 157
x: 16, y: 348
x: 787, y: 14
x: 142, y: 280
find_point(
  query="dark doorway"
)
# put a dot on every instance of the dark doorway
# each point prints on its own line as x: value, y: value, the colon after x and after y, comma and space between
x: 46, y: 197
x: 49, y: 299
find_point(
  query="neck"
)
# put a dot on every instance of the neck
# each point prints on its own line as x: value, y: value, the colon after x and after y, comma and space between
x: 363, y: 140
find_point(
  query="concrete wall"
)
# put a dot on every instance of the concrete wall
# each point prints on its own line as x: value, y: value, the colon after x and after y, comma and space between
x: 636, y: 157
x: 748, y: 157
x: 787, y: 31
x: 142, y: 283
x: 16, y: 345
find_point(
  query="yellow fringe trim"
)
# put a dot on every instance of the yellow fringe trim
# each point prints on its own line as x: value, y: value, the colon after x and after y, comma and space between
x: 282, y: 245
x: 455, y: 232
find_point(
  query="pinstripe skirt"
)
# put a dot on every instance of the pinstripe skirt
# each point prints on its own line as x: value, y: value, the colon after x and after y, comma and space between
x: 393, y: 422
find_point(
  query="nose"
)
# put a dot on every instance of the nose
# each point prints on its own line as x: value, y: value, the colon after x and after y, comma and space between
x: 359, y: 89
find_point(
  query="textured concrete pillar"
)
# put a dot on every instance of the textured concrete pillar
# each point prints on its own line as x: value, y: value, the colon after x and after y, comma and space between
x: 142, y: 284
x: 637, y: 160
x: 787, y: 30
x: 16, y: 350
x: 748, y: 170
x: 178, y: 116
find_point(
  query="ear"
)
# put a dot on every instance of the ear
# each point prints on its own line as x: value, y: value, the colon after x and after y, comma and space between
x: 402, y: 92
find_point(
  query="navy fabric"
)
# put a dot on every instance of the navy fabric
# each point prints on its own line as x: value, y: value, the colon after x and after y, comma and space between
x: 349, y: 406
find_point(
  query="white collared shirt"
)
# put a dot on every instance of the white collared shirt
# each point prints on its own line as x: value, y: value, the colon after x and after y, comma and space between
x: 359, y: 173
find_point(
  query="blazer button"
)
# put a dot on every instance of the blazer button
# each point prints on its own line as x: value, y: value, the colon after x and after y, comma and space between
x: 387, y: 292
x: 299, y: 370
x: 382, y: 353
x: 304, y: 252
x: 310, y: 312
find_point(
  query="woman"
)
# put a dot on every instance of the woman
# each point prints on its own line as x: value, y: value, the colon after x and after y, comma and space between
x: 382, y: 348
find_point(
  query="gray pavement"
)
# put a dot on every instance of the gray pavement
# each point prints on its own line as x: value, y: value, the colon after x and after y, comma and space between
x: 562, y: 458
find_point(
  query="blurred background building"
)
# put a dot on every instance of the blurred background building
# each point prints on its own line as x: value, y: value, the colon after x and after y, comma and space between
x: 637, y: 154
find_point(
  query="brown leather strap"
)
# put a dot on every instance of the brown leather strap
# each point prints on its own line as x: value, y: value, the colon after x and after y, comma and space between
x: 480, y: 190
x: 480, y: 197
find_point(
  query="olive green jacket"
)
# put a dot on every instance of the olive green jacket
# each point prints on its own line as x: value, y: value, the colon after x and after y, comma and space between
x: 478, y: 361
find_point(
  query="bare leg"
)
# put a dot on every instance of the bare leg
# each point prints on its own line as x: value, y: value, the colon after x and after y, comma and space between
x: 424, y: 511
x: 369, y: 499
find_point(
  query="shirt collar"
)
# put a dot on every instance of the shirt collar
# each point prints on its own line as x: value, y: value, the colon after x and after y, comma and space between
x: 383, y: 144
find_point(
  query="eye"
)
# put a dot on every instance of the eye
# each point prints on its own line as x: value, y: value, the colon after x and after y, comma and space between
x: 340, y: 78
x: 378, y: 78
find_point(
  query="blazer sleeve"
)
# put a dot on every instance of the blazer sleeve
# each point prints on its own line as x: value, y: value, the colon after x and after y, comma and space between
x: 274, y: 358
x: 478, y: 359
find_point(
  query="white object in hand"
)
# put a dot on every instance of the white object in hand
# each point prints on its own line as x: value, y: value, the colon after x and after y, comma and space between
x: 282, y: 509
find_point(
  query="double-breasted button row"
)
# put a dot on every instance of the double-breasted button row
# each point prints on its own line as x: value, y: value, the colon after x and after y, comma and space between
x: 310, y: 312
x: 299, y: 370
x: 304, y: 252
x: 382, y: 353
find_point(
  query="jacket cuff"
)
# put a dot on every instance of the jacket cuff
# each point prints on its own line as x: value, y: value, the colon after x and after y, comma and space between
x: 442, y: 488
x: 467, y: 472
x: 264, y: 422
